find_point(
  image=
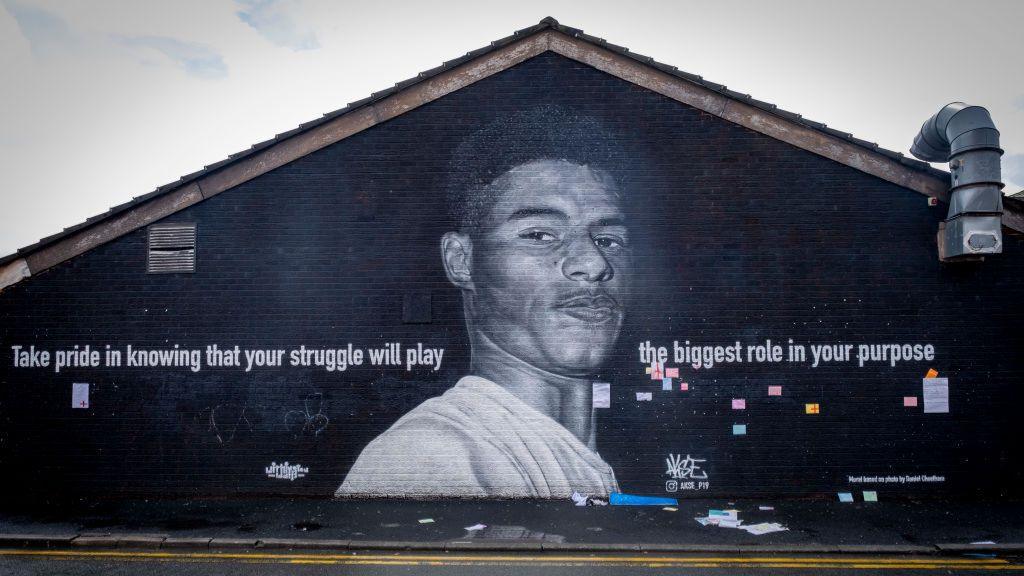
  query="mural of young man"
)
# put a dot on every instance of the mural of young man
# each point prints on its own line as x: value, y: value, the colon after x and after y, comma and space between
x: 542, y: 257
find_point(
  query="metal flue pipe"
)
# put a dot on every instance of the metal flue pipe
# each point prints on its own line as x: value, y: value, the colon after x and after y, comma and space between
x: 966, y: 137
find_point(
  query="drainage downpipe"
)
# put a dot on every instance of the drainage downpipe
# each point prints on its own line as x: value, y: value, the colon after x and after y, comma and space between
x: 966, y: 137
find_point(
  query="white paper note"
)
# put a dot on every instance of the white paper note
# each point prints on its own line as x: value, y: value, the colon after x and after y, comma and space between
x: 764, y: 528
x: 936, y: 395
x: 602, y: 395
x: 79, y: 395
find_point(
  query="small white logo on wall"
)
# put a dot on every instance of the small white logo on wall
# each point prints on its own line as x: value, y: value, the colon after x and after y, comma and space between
x: 286, y: 471
x: 686, y: 473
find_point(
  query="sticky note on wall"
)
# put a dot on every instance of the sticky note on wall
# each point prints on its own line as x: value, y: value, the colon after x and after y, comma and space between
x: 739, y: 429
x: 870, y: 496
x: 910, y: 401
x: 672, y: 372
x: 846, y: 497
x: 932, y: 373
x: 80, y: 395
x: 684, y: 386
x: 602, y: 395
x: 644, y: 396
x: 812, y: 408
x: 739, y: 403
x: 775, y: 390
x: 666, y: 384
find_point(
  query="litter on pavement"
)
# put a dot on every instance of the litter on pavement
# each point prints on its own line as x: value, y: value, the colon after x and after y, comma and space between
x: 426, y: 520
x: 764, y: 528
x: 619, y: 499
x: 475, y: 527
x: 588, y: 500
x: 731, y: 519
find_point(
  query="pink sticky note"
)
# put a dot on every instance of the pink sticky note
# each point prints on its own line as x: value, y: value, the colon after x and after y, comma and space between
x: 775, y: 390
x: 684, y: 386
x: 671, y: 372
x: 739, y: 403
x: 910, y: 401
x: 656, y: 372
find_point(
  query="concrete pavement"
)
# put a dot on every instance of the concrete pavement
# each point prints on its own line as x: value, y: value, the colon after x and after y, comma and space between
x: 815, y: 526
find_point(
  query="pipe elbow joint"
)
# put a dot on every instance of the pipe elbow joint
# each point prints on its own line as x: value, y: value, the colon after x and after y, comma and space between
x: 955, y: 129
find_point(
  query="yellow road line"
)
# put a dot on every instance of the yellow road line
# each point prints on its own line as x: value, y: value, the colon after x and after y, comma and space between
x: 447, y: 557
x: 860, y: 563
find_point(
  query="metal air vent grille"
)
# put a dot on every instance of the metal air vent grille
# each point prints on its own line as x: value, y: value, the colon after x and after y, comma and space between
x: 172, y: 248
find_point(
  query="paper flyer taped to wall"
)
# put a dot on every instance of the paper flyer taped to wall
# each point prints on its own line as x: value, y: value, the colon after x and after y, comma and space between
x: 80, y: 395
x: 936, y: 395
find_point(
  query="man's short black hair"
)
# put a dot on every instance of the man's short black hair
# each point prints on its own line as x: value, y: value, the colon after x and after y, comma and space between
x: 545, y: 132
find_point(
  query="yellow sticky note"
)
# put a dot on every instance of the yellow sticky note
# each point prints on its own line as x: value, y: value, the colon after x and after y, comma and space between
x: 932, y: 373
x: 812, y: 408
x: 647, y: 370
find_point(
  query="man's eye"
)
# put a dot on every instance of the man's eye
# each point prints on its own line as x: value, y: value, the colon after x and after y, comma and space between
x: 538, y: 236
x: 609, y: 242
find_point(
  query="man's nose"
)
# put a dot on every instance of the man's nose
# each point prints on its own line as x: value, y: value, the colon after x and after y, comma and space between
x: 585, y: 262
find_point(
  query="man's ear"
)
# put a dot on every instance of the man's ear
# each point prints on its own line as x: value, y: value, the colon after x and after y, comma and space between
x: 457, y: 254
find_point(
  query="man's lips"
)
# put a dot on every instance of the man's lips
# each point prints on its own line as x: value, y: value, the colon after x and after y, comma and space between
x: 589, y: 308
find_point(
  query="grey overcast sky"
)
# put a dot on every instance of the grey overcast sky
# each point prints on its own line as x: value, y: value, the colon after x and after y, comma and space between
x: 105, y: 100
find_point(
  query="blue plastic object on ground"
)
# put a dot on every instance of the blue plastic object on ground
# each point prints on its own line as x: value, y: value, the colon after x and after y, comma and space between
x: 619, y: 499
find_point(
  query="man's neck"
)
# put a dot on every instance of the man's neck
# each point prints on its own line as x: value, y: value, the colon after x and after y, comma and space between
x: 565, y: 400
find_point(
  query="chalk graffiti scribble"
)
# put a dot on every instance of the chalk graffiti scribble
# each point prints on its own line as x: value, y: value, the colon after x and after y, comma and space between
x: 308, y: 421
x: 225, y: 420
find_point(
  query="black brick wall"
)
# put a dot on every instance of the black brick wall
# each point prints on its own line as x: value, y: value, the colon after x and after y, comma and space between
x: 741, y: 237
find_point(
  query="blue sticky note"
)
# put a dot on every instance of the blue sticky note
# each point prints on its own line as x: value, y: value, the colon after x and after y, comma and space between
x: 739, y: 429
x: 666, y: 384
x: 845, y: 497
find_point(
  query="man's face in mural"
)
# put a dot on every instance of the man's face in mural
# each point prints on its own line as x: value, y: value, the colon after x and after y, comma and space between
x: 548, y: 266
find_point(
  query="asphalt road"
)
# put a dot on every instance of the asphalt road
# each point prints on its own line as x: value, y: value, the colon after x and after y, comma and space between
x: 22, y: 562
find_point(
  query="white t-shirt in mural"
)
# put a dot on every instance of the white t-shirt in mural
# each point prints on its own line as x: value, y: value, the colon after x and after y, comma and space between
x: 477, y: 439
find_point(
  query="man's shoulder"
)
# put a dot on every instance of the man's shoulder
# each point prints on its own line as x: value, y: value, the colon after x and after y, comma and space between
x: 435, y: 449
x: 461, y: 408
